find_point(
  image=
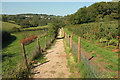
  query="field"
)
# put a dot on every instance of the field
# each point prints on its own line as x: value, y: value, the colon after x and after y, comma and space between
x: 101, y: 54
x: 8, y: 26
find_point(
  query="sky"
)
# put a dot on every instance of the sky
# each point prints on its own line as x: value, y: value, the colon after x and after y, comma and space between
x: 50, y: 8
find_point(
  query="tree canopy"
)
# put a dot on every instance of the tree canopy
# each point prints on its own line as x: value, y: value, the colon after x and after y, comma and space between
x: 95, y: 12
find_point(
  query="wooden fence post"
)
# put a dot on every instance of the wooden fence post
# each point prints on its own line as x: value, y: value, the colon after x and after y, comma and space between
x: 50, y: 39
x: 71, y: 42
x: 24, y: 54
x: 79, y: 49
x: 64, y: 34
x: 45, y: 43
x: 39, y: 45
x: 119, y: 45
x: 68, y: 40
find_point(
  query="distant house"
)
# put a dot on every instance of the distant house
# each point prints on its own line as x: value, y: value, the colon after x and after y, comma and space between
x: 49, y: 18
x: 27, y: 16
x: 42, y: 16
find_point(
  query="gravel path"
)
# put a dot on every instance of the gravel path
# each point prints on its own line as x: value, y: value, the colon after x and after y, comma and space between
x: 56, y: 64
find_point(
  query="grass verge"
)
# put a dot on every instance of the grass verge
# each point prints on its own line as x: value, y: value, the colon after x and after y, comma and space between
x: 77, y: 70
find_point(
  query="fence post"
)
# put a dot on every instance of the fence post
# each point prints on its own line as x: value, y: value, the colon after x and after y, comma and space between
x: 68, y: 40
x: 71, y: 42
x: 39, y: 45
x: 24, y: 54
x: 50, y: 39
x: 45, y: 43
x: 64, y: 34
x: 119, y: 45
x: 79, y: 48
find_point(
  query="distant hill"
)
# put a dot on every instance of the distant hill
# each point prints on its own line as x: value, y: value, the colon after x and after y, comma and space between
x: 30, y: 20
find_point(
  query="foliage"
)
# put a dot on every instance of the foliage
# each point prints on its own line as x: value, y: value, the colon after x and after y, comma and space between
x: 25, y: 23
x: 31, y: 20
x: 55, y: 25
x: 5, y: 36
x: 96, y: 31
x: 28, y: 40
x: 95, y: 12
x: 35, y: 22
x: 12, y: 58
x: 4, y: 18
x: 99, y: 54
x: 14, y: 29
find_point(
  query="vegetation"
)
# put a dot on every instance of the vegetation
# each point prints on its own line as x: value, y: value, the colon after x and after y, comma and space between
x: 14, y: 35
x: 6, y: 36
x: 97, y: 25
x: 95, y: 12
x: 30, y: 20
x: 9, y: 27
x: 12, y: 58
x: 99, y: 54
x: 104, y: 33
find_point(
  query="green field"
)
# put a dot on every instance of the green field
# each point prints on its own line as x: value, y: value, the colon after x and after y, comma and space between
x: 101, y: 55
x: 8, y: 26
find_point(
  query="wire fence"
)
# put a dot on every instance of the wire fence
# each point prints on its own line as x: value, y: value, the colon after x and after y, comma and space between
x: 33, y: 51
x: 92, y: 70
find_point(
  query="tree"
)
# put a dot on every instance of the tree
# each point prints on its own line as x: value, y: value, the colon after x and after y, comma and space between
x: 4, y: 18
x: 25, y: 23
x: 35, y: 22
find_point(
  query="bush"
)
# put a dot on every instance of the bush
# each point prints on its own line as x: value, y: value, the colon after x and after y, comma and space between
x: 14, y: 29
x: 28, y: 40
x: 5, y: 36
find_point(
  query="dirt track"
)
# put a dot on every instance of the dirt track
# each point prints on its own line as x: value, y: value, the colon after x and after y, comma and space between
x: 56, y: 64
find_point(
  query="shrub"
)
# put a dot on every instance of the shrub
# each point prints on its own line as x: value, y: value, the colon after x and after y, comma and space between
x: 5, y: 36
x: 14, y: 29
x: 28, y: 40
